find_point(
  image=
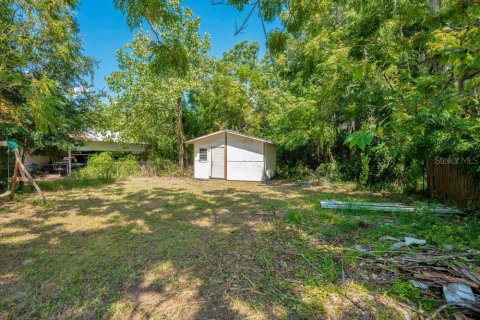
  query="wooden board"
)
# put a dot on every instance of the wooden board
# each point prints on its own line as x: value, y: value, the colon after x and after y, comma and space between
x: 373, y: 206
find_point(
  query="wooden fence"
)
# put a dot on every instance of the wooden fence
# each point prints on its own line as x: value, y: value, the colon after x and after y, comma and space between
x: 458, y: 183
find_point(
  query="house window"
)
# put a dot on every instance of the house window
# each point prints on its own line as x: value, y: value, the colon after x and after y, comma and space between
x: 203, y: 154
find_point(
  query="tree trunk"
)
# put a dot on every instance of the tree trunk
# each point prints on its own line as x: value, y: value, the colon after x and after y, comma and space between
x: 181, y: 135
x: 23, y: 154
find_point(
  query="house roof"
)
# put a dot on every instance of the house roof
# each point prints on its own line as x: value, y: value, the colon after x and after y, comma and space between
x: 94, y: 136
x: 230, y: 132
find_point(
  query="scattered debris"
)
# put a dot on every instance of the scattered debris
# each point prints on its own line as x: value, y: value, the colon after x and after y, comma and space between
x: 305, y: 184
x: 409, y: 241
x: 448, y: 247
x: 451, y: 278
x: 398, y: 245
x: 263, y: 213
x: 27, y: 262
x: 359, y: 248
x: 459, y: 294
x: 372, y: 206
x: 419, y: 284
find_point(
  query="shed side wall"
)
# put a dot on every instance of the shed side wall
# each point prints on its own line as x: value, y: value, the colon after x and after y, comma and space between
x: 244, y: 159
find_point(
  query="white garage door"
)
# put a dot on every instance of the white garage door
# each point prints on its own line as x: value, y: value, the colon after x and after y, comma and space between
x: 218, y: 163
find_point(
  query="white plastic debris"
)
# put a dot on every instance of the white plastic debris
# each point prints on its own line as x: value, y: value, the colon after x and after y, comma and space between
x: 458, y: 293
x: 397, y: 245
x: 448, y: 247
x: 409, y: 241
x: 419, y: 284
x: 359, y: 248
x: 27, y: 262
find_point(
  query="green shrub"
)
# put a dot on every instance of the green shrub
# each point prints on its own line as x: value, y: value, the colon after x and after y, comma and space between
x: 327, y: 172
x: 299, y: 172
x: 160, y: 167
x: 104, y: 167
x: 99, y: 166
x: 126, y: 167
x: 166, y: 166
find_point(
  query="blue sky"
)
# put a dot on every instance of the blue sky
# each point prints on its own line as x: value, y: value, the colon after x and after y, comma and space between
x: 104, y: 30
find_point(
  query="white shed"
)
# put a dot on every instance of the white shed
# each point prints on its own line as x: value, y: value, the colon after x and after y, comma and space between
x: 232, y: 155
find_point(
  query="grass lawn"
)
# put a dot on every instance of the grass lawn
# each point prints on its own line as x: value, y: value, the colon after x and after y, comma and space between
x: 177, y: 248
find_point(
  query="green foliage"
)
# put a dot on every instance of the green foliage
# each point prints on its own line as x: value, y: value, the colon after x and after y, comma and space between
x: 406, y: 291
x: 234, y: 96
x: 43, y: 74
x: 327, y: 172
x: 293, y: 215
x: 360, y: 139
x: 100, y: 165
x: 277, y: 41
x: 298, y: 172
x: 398, y: 80
x: 126, y: 167
x: 364, y: 170
x: 103, y: 166
x: 157, y: 70
x: 403, y: 75
x: 164, y: 167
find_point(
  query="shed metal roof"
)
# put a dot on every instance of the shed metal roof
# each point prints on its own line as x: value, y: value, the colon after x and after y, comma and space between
x: 230, y: 132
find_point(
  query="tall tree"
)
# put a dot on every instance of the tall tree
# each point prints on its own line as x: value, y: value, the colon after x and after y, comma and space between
x: 43, y: 71
x: 171, y: 61
x: 231, y: 97
x: 397, y: 76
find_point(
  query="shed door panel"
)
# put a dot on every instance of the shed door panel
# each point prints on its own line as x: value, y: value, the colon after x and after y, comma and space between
x: 218, y: 163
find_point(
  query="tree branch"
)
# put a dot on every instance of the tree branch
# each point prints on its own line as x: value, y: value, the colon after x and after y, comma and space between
x: 153, y: 30
x: 244, y: 23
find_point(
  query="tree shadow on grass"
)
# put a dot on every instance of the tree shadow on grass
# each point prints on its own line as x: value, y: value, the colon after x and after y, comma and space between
x: 160, y: 253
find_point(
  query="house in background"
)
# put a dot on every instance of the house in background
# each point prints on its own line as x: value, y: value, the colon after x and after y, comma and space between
x: 93, y: 142
x: 232, y: 155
